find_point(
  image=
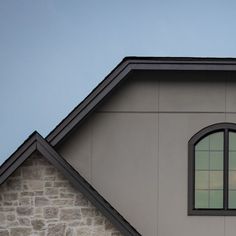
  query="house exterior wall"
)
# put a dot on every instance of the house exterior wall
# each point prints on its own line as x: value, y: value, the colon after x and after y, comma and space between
x: 37, y: 200
x: 133, y: 149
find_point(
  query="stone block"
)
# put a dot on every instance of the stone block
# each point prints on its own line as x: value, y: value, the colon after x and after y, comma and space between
x: 41, y: 201
x: 25, y: 201
x: 63, y: 202
x: 61, y: 184
x: 38, y: 193
x: 84, y: 231
x: 56, y: 230
x: 13, y: 184
x: 2, y: 217
x: 48, y: 184
x: 30, y: 173
x: 69, y: 232
x: 35, y: 184
x: 24, y: 211
x: 10, y: 196
x: 7, y: 203
x: 51, y: 191
x: 89, y: 212
x: 24, y: 194
x: 19, y: 231
x: 98, y: 220
x: 38, y: 224
x: 50, y: 212
x: 50, y: 171
x: 4, y: 232
x: 70, y: 214
x: 116, y: 234
x: 11, y: 217
x: 80, y: 200
x: 66, y: 195
x: 24, y: 221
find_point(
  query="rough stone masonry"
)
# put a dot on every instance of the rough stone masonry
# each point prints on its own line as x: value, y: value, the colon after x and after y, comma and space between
x: 37, y: 200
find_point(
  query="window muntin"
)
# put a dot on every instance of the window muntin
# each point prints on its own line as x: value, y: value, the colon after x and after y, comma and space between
x: 212, y: 171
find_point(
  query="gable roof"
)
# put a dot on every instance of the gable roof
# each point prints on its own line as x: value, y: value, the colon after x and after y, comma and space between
x: 120, y: 72
x: 36, y: 142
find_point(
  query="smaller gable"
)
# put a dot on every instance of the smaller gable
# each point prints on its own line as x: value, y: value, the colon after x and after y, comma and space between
x: 41, y: 192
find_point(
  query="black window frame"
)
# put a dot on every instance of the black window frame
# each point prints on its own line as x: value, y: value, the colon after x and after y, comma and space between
x: 225, y: 127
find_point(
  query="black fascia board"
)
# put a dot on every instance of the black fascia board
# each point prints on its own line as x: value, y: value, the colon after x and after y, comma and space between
x: 36, y: 142
x: 121, y: 72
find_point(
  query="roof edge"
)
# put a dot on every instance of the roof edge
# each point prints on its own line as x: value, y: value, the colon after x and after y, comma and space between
x: 35, y: 142
x: 120, y: 72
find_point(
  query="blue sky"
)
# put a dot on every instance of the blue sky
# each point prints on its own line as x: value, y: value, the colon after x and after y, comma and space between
x: 53, y: 52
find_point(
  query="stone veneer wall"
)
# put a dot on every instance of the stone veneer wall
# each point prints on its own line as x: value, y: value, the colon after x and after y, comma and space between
x: 38, y: 200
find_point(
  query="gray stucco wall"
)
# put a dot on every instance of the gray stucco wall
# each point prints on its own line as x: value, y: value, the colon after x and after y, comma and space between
x: 38, y: 200
x: 133, y: 149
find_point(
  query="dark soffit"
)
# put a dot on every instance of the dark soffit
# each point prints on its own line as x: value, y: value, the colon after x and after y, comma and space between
x: 120, y: 72
x: 36, y: 142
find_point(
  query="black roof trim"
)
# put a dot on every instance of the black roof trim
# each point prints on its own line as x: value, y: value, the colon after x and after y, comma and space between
x: 36, y: 142
x: 120, y: 72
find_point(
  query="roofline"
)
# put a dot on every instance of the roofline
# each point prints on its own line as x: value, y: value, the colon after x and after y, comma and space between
x: 120, y: 72
x: 36, y: 142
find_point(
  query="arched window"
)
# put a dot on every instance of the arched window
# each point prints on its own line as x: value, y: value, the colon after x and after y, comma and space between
x: 212, y: 171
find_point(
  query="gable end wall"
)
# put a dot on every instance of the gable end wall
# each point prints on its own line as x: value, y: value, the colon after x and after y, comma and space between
x: 37, y: 200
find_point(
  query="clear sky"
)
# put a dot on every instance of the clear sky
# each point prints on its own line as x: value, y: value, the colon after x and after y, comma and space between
x: 54, y: 52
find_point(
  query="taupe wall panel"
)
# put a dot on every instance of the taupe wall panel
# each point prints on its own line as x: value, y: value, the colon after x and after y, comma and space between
x: 117, y: 150
x: 124, y: 166
x: 231, y: 95
x: 174, y: 132
x: 192, y: 95
x: 77, y: 149
x: 135, y: 94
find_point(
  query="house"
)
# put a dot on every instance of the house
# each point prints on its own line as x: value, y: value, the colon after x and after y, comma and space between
x: 151, y: 151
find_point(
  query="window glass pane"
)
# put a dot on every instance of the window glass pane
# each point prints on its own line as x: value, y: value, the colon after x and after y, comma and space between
x: 216, y: 179
x: 232, y: 170
x: 209, y: 162
x: 203, y: 144
x: 232, y: 199
x: 232, y: 160
x: 216, y: 160
x: 232, y: 180
x: 201, y: 198
x: 216, y: 199
x: 202, y: 180
x: 202, y: 160
x: 216, y: 141
x: 232, y: 141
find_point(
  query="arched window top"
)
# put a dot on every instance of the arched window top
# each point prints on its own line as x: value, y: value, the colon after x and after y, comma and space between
x: 212, y: 171
x: 211, y: 129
